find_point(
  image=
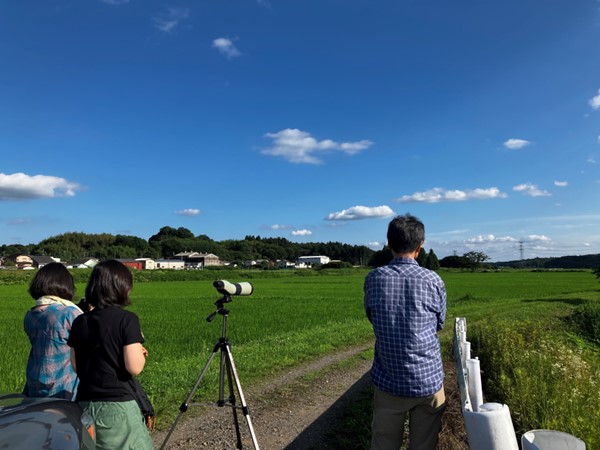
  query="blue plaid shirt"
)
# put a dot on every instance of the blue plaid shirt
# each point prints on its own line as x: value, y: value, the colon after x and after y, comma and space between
x: 406, y: 305
x: 49, y: 369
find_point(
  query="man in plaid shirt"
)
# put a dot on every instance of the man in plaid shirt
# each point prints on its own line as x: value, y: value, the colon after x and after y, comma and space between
x: 406, y: 305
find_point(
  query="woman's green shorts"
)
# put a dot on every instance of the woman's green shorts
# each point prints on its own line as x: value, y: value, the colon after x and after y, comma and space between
x: 119, y: 425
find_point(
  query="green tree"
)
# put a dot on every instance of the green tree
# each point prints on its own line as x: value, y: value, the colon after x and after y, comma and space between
x: 475, y: 259
x: 170, y: 232
x: 422, y: 257
x: 432, y: 261
x: 381, y: 257
x: 141, y: 248
x: 454, y: 262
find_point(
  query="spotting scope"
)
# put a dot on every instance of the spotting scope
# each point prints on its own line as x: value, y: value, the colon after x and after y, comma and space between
x: 226, y: 288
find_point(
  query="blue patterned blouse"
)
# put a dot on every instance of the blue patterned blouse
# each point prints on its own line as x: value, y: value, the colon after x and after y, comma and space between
x: 49, y: 369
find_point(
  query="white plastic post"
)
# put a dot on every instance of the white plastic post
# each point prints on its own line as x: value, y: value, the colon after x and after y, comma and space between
x: 550, y: 440
x: 465, y: 352
x: 491, y: 428
x: 474, y: 383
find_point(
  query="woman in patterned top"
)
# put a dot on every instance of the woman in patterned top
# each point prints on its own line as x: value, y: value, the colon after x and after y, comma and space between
x: 48, y: 324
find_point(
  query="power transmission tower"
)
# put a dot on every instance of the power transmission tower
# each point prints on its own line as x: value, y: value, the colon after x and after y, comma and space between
x: 521, y: 249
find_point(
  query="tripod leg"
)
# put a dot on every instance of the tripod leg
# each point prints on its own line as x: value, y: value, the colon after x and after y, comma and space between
x: 236, y: 420
x: 184, y: 406
x: 245, y: 408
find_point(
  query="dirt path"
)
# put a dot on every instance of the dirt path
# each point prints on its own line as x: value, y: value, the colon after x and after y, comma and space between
x: 298, y: 410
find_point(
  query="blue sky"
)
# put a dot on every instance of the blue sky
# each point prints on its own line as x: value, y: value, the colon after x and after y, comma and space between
x: 311, y: 120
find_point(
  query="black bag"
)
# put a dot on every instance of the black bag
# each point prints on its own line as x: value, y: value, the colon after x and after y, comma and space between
x: 144, y: 403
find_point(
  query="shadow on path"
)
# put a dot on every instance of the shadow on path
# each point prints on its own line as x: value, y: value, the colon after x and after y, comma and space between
x: 322, y: 433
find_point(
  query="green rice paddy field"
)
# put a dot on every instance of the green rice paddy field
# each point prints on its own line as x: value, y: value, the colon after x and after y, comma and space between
x: 292, y: 318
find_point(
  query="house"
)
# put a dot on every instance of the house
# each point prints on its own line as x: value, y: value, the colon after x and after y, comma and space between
x: 21, y: 261
x: 195, y: 260
x: 283, y: 264
x: 39, y: 261
x: 312, y: 260
x: 254, y: 263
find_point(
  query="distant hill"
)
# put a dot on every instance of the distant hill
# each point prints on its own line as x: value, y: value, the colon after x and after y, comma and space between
x: 563, y: 262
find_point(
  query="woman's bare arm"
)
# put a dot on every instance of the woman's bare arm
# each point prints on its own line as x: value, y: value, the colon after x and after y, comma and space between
x: 135, y: 358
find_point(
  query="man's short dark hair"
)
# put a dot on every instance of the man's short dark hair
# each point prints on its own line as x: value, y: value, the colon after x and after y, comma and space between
x: 405, y: 233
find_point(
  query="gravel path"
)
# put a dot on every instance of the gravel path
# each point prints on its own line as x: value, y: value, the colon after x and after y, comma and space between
x: 295, y: 410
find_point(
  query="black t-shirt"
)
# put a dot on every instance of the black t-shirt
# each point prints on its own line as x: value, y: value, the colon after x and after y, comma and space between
x: 98, y: 338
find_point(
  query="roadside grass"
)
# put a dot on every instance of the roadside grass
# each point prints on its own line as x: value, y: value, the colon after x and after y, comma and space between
x: 291, y: 319
x: 548, y: 381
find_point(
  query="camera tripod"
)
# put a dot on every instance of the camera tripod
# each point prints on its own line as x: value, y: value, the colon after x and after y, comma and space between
x: 227, y: 367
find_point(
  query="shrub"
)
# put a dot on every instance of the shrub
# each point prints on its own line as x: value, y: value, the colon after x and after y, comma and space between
x: 587, y: 318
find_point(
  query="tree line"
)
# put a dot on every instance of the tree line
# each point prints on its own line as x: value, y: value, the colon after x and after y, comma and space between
x: 169, y: 241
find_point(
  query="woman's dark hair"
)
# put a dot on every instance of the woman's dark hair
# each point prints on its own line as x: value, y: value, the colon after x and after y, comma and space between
x: 405, y: 233
x: 53, y: 279
x: 109, y: 284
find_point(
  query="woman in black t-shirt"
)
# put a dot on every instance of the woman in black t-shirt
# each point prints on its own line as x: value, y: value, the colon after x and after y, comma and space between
x: 106, y: 350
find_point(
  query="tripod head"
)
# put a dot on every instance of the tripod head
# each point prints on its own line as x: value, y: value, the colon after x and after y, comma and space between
x: 228, y: 289
x: 220, y: 310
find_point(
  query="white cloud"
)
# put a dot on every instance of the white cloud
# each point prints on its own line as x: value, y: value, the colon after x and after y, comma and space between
x: 188, y: 212
x: 531, y: 190
x: 592, y: 160
x: 436, y: 195
x: 19, y: 186
x: 561, y: 183
x: 362, y: 212
x: 277, y: 227
x: 515, y: 144
x: 490, y: 238
x: 170, y: 21
x: 301, y: 233
x: 226, y: 47
x: 115, y: 2
x: 538, y: 237
x: 595, y: 101
x: 375, y: 245
x: 299, y: 146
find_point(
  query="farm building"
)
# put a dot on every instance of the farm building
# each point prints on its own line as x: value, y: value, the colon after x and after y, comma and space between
x: 147, y: 263
x: 133, y: 263
x: 310, y: 260
x: 171, y: 264
x: 195, y: 260
x: 83, y: 263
